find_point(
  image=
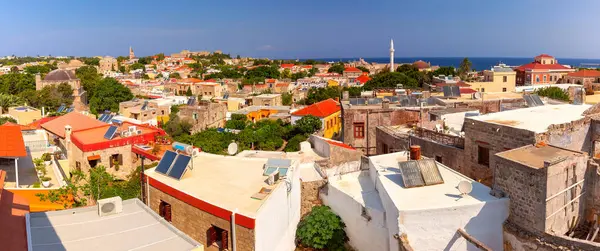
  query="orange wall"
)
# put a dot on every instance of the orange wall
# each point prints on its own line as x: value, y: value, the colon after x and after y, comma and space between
x: 35, y: 204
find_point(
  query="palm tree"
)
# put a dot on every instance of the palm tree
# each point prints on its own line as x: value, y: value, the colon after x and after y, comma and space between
x: 465, y: 68
x: 7, y: 100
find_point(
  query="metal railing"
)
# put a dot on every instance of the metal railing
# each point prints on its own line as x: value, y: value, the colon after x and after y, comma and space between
x: 442, y: 138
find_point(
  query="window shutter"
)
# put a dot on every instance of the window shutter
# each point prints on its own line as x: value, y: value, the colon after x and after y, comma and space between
x: 168, y: 212
x: 224, y: 241
x: 212, y: 235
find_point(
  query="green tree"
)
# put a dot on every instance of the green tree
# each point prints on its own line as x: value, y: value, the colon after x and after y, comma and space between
x: 263, y: 72
x: 553, y: 92
x: 7, y: 100
x: 237, y: 121
x: 293, y: 145
x: 308, y: 124
x: 390, y: 80
x: 363, y: 69
x: 91, y: 61
x: 189, y: 92
x: 109, y: 93
x: 322, y: 229
x: 445, y: 70
x: 353, y: 91
x: 315, y: 95
x: 7, y: 119
x: 74, y: 194
x: 286, y: 73
x: 337, y: 68
x: 137, y: 66
x: 176, y: 127
x: 42, y: 69
x: 175, y: 75
x: 286, y: 98
x: 464, y: 68
x: 89, y: 78
x: 160, y: 56
x: 15, y: 83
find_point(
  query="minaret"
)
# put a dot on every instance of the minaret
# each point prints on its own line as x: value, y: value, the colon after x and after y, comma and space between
x: 131, y: 55
x: 392, y: 55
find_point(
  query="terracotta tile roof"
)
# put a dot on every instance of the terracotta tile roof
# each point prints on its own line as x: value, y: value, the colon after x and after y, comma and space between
x: 210, y: 80
x: 271, y: 80
x: 307, y: 66
x: 12, y: 144
x: 539, y: 66
x: 363, y: 78
x: 421, y: 64
x: 466, y: 91
x: 352, y: 69
x: 37, y: 124
x: 191, y: 80
x: 282, y: 84
x: 96, y: 134
x: 76, y: 120
x: 544, y: 56
x: 188, y: 59
x: 321, y: 109
x: 287, y: 65
x: 585, y: 73
x: 338, y: 143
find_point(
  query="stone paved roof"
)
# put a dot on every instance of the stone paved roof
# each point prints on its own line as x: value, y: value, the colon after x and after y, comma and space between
x: 60, y: 75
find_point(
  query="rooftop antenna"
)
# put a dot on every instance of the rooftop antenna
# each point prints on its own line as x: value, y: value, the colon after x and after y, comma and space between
x: 232, y: 148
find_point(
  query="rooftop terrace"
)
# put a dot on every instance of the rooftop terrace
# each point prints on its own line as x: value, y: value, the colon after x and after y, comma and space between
x: 536, y: 119
x: 535, y: 156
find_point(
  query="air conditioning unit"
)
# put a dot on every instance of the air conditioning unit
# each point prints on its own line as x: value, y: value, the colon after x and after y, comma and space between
x: 110, y: 206
x: 125, y: 134
x: 132, y: 129
x: 139, y: 132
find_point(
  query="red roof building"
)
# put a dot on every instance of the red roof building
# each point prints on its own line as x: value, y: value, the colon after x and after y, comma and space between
x: 545, y: 69
x: 76, y: 120
x: 12, y: 144
x: 286, y: 66
x: 583, y: 77
x: 352, y: 69
x: 364, y: 78
x: 13, y: 234
x: 421, y: 65
x: 321, y: 109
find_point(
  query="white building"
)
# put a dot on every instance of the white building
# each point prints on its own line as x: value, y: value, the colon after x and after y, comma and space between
x: 378, y: 208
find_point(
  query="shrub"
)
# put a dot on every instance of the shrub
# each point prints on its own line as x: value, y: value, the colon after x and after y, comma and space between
x: 46, y: 178
x: 553, y: 92
x: 322, y: 229
x: 293, y: 144
x: 46, y: 157
x: 36, y: 185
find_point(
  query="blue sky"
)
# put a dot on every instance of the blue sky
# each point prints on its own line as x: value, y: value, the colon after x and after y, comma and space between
x: 303, y: 29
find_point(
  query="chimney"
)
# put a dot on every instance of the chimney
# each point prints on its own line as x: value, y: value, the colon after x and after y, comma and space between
x: 38, y: 81
x: 385, y: 104
x: 415, y: 152
x: 68, y: 139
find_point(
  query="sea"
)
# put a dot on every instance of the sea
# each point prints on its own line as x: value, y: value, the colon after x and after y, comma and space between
x: 478, y: 63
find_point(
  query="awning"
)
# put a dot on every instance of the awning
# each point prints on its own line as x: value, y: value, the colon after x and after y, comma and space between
x: 93, y: 157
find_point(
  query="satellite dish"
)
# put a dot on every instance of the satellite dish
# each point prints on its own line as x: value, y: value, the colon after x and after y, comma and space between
x: 465, y: 187
x: 232, y: 148
x: 477, y: 95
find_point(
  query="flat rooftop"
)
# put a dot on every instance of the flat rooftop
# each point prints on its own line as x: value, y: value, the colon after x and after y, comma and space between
x: 443, y: 195
x: 228, y: 182
x: 137, y: 227
x: 444, y: 111
x: 534, y: 156
x: 486, y: 96
x: 359, y: 186
x: 96, y: 134
x: 536, y: 119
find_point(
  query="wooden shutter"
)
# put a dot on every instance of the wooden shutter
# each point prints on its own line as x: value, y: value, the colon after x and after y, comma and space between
x: 212, y: 235
x: 161, y: 209
x: 120, y: 159
x: 168, y: 212
x: 224, y: 241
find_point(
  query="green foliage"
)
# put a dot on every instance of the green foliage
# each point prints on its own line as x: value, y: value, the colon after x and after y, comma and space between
x: 145, y: 60
x: 226, y: 72
x: 445, y: 70
x: 7, y: 100
x: 337, y: 68
x: 322, y: 229
x: 109, y: 93
x: 363, y: 69
x: 299, y: 75
x: 51, y: 96
x: 464, y: 68
x: 390, y: 80
x: 175, y: 75
x: 308, y: 124
x: 319, y: 94
x: 177, y: 127
x: 286, y: 73
x: 7, y: 119
x: 293, y: 145
x: 89, y: 77
x: 237, y: 121
x: 553, y: 93
x: 36, y: 184
x: 91, y: 61
x: 42, y: 69
x: 160, y: 56
x: 262, y: 61
x: 287, y: 98
x: 137, y: 66
x: 263, y: 72
x: 74, y: 194
x: 189, y: 92
x: 15, y: 83
x: 353, y: 91
x: 210, y: 140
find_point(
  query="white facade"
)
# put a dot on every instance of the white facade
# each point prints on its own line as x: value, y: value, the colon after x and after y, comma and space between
x: 376, y: 207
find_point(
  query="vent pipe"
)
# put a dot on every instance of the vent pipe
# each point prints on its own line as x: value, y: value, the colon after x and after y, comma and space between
x: 415, y: 152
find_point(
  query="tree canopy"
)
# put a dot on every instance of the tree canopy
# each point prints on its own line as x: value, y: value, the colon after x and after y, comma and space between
x: 109, y: 93
x: 319, y: 94
x: 553, y: 92
x: 337, y: 68
x: 15, y: 83
x: 464, y: 68
x: 363, y: 69
x: 308, y: 124
x: 89, y: 78
x: 322, y: 229
x: 390, y: 80
x: 445, y: 70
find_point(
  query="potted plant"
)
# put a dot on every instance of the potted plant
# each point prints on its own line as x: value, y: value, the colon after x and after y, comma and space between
x: 47, y: 158
x: 46, y: 181
x: 36, y: 185
x: 58, y: 153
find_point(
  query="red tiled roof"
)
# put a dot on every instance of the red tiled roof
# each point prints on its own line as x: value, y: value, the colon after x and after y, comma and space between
x: 12, y: 144
x: 539, y: 66
x: 13, y: 208
x: 36, y: 124
x: 287, y: 65
x: 585, y: 73
x: 363, y: 78
x: 544, y: 56
x: 188, y: 59
x: 271, y: 80
x: 466, y: 91
x: 282, y: 84
x: 76, y: 120
x: 211, y: 80
x: 93, y: 139
x: 307, y: 66
x: 352, y: 69
x: 191, y: 80
x: 338, y: 143
x: 321, y: 109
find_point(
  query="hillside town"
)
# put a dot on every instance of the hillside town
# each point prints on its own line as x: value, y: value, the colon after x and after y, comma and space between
x: 202, y: 150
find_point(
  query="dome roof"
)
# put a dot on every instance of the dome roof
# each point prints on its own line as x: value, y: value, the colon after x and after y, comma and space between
x: 421, y: 64
x: 60, y: 75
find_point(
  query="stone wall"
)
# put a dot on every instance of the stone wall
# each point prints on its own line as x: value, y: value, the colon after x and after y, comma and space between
x: 448, y: 155
x: 519, y: 239
x: 389, y: 142
x: 576, y: 135
x: 592, y: 188
x: 497, y: 138
x: 373, y: 117
x: 310, y: 196
x: 78, y: 156
x: 211, y: 115
x: 196, y: 223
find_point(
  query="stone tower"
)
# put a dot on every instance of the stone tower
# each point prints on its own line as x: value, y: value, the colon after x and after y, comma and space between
x: 131, y: 55
x: 392, y: 55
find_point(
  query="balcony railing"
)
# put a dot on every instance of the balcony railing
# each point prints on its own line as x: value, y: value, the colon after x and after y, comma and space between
x: 442, y: 138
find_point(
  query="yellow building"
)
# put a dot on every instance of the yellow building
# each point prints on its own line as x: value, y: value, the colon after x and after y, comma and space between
x: 331, y: 83
x: 256, y: 113
x: 499, y: 79
x: 24, y: 114
x: 328, y: 111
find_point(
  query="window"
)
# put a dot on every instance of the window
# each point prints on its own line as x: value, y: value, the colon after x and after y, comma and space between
x: 195, y: 116
x: 164, y: 210
x: 218, y: 237
x: 163, y: 112
x: 359, y: 130
x: 482, y: 89
x: 504, y: 79
x: 544, y: 78
x: 385, y: 148
x: 503, y: 89
x: 439, y: 159
x: 78, y: 165
x: 116, y: 159
x: 537, y: 79
x: 483, y: 155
